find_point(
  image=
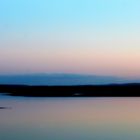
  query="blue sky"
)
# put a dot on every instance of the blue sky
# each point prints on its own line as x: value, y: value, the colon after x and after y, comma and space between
x: 46, y: 14
x: 66, y: 12
x: 63, y: 35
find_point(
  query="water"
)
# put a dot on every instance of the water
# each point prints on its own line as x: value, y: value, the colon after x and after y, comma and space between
x: 70, y: 118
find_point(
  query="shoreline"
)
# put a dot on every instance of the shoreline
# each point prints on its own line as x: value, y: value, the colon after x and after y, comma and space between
x: 114, y: 90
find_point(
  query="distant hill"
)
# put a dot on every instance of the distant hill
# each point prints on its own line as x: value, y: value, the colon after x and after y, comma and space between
x: 60, y: 79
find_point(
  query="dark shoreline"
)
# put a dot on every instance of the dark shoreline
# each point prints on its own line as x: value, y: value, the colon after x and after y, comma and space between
x: 114, y: 90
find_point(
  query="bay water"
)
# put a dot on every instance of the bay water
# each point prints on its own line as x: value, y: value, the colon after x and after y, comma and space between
x: 69, y: 118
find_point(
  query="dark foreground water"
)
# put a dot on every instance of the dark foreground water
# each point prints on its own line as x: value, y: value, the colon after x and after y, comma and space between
x: 69, y: 118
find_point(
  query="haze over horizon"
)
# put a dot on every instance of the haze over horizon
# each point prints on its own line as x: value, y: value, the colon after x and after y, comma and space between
x: 91, y: 37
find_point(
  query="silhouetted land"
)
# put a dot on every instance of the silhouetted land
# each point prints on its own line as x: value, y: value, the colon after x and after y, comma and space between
x: 116, y: 90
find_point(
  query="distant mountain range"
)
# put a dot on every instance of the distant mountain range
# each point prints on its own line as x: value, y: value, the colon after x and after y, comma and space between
x: 62, y: 79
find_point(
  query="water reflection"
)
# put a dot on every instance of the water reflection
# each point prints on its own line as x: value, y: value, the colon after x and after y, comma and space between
x: 70, y: 118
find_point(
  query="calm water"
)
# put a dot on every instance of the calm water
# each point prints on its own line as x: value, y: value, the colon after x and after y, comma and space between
x: 70, y: 118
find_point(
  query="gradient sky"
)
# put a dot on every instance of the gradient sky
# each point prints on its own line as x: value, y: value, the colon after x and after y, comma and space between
x: 70, y: 36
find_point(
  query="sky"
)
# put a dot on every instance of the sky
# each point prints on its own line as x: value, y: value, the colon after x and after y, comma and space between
x: 99, y: 37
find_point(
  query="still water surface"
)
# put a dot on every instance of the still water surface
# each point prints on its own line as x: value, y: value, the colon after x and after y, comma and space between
x: 70, y: 118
